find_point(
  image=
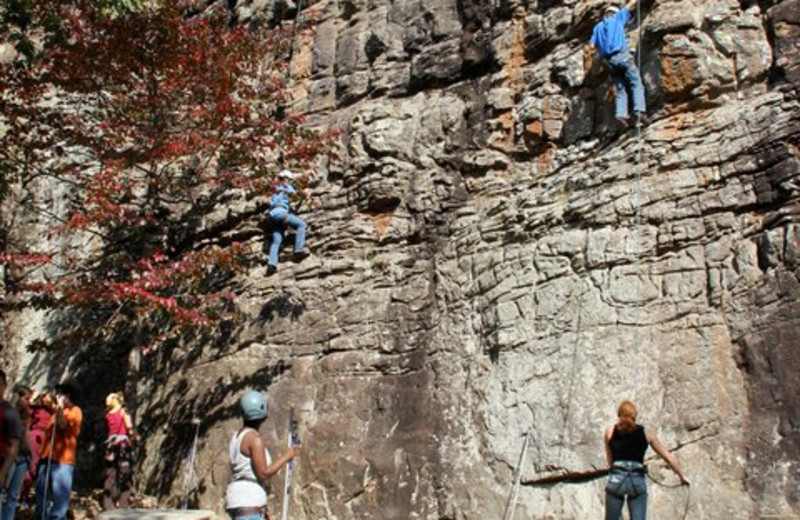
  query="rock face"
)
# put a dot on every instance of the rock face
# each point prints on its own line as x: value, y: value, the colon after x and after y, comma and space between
x: 495, y: 256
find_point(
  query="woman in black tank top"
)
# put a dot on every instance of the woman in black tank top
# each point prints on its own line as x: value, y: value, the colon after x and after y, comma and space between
x: 626, y: 443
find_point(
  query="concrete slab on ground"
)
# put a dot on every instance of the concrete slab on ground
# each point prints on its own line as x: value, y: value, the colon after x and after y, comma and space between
x: 157, y: 514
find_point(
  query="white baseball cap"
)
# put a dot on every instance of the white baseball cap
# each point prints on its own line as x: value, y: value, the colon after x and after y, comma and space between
x: 612, y: 9
x: 286, y: 174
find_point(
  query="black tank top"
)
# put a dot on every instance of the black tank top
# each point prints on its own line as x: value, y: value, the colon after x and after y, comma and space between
x: 628, y: 446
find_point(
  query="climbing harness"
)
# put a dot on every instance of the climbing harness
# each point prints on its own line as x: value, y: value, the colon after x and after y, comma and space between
x: 294, y: 440
x: 628, y: 469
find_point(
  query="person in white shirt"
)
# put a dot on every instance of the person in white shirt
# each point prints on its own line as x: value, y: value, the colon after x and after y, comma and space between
x: 251, y: 464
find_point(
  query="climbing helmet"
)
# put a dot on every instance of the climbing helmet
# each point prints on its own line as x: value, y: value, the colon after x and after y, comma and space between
x: 253, y: 405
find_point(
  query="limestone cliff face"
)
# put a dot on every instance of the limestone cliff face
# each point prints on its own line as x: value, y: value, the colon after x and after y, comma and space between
x: 494, y: 256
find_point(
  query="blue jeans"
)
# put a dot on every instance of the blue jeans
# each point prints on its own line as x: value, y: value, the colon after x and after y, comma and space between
x: 14, y: 487
x: 624, y: 484
x: 281, y: 217
x: 57, y: 490
x: 625, y: 74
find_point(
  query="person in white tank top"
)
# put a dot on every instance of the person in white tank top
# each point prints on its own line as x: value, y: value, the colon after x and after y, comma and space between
x: 251, y: 464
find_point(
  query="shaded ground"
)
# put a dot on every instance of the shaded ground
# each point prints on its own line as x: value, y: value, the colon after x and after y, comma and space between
x: 85, y: 504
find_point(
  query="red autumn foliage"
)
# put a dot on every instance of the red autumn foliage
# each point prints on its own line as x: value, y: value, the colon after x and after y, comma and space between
x: 146, y: 119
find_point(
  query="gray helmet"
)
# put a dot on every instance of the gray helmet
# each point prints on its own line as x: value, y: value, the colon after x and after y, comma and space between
x: 253, y: 405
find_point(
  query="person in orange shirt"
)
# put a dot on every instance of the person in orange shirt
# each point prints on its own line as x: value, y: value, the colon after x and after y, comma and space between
x: 57, y: 465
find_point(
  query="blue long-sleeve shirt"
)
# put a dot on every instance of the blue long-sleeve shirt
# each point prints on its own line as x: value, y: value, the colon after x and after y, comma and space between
x: 282, y: 196
x: 609, y: 34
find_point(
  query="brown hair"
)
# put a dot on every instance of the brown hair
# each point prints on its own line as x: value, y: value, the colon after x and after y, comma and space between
x: 626, y: 412
x: 21, y: 401
x: 45, y: 399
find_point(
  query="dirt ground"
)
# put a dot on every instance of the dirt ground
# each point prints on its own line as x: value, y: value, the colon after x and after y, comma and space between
x: 85, y: 505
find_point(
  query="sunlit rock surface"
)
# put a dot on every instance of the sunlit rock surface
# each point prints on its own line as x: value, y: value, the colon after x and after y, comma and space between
x: 494, y: 255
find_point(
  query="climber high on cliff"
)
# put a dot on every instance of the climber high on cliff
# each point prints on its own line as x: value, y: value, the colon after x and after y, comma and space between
x: 609, y: 40
x: 281, y: 216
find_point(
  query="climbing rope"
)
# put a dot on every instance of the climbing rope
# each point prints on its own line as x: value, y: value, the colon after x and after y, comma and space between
x: 293, y: 440
x: 585, y: 476
x: 188, y: 476
x: 637, y: 341
x: 576, y: 346
x: 637, y: 202
x: 511, y: 503
x: 292, y: 36
x: 280, y: 110
x: 688, y: 501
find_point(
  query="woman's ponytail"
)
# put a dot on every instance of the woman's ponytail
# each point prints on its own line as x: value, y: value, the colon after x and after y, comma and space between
x: 627, y: 417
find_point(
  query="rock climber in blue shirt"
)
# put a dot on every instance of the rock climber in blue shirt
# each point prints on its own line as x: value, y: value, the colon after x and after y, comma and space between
x: 281, y: 216
x: 609, y: 40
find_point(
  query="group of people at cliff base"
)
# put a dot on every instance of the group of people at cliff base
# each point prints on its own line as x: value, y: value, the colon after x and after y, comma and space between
x: 38, y: 446
x: 39, y: 441
x: 626, y: 443
x: 40, y: 433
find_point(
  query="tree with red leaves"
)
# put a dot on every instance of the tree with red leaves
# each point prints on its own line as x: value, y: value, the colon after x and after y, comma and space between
x: 141, y: 121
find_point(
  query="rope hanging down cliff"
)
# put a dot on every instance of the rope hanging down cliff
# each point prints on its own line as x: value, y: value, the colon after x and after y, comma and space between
x: 638, y: 383
x: 280, y: 111
x: 637, y: 222
x: 297, y: 15
x: 610, y: 42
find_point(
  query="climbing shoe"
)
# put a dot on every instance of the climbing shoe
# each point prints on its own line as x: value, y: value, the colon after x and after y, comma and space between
x: 624, y: 121
x: 271, y: 269
x: 301, y: 255
x: 641, y: 119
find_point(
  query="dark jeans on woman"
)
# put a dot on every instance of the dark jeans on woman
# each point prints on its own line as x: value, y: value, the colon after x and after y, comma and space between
x: 118, y: 484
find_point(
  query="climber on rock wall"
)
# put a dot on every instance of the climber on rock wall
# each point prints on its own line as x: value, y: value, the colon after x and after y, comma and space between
x: 609, y: 41
x: 281, y: 216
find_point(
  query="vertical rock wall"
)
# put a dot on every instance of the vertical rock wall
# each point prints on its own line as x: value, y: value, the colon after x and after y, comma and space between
x: 495, y: 256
